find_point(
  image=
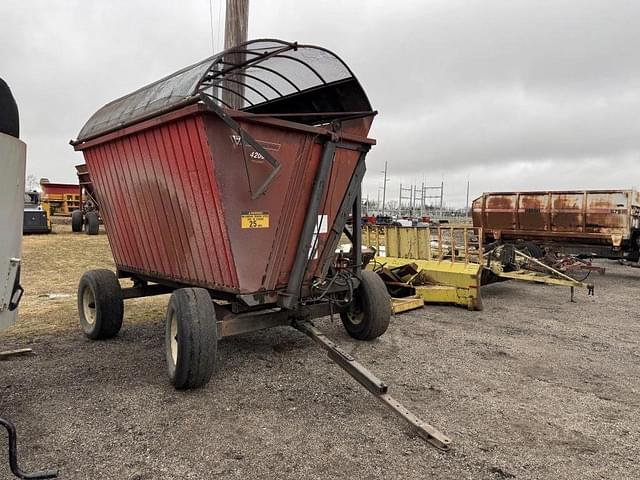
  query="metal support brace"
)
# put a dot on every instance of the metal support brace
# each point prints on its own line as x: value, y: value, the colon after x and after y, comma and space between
x: 290, y: 301
x: 356, y: 239
x: 372, y: 383
x: 13, y: 456
x: 246, y: 138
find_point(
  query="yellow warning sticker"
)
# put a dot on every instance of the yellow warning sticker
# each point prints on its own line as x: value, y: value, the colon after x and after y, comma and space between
x: 254, y: 219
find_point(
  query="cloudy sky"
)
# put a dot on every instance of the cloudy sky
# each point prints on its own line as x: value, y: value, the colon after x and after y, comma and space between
x: 511, y: 94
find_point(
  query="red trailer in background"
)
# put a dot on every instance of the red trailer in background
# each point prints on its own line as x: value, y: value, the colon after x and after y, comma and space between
x: 229, y: 184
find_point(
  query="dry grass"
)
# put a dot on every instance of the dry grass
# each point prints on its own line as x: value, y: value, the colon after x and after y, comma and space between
x: 53, y: 264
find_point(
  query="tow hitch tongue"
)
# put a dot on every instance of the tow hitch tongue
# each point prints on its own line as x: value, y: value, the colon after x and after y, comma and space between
x: 372, y: 383
x: 13, y: 456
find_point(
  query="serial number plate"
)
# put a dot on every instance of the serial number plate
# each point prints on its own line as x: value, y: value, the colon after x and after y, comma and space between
x: 255, y: 219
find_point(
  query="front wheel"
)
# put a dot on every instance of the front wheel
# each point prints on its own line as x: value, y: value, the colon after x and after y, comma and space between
x: 191, y: 338
x: 100, y: 304
x: 370, y: 314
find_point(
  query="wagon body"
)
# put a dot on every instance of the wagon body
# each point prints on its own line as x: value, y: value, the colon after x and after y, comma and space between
x: 607, y: 218
x: 176, y: 201
x: 193, y: 192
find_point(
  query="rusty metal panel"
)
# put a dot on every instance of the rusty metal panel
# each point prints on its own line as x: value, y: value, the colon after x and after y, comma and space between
x: 588, y: 216
x: 533, y: 211
x: 500, y: 211
x: 477, y: 211
x: 607, y: 212
x: 567, y: 212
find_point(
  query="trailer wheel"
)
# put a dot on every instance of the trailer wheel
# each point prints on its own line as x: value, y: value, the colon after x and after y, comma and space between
x: 100, y: 304
x: 91, y: 223
x: 76, y: 221
x: 533, y: 250
x: 191, y: 338
x: 371, y: 311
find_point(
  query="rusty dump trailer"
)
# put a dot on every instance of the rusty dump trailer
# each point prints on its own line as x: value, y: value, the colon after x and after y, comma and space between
x: 228, y: 184
x: 603, y: 223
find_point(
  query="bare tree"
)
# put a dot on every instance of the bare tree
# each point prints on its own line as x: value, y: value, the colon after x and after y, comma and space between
x: 31, y: 182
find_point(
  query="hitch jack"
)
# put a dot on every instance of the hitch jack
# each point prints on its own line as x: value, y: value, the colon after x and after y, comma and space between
x: 372, y: 383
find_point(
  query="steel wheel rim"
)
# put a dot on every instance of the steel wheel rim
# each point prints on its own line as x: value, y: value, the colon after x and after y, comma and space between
x: 89, y: 306
x: 173, y: 340
x: 355, y: 318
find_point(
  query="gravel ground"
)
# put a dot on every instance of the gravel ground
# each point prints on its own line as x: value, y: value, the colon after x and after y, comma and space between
x: 532, y: 387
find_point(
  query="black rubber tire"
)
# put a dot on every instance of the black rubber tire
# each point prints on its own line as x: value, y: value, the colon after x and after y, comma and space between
x: 507, y: 256
x: 101, y: 289
x: 91, y: 223
x: 371, y: 312
x: 9, y: 121
x: 193, y: 361
x: 76, y: 221
x: 533, y: 250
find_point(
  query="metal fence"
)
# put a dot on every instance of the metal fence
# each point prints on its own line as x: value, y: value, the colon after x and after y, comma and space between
x: 453, y: 243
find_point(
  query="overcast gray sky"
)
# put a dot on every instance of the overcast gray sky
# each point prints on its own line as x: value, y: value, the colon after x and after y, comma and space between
x: 512, y: 94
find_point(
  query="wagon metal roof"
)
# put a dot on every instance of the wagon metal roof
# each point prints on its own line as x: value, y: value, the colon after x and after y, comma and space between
x: 260, y: 76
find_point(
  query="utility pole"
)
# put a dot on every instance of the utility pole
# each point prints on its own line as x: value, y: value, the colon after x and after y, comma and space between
x: 466, y: 205
x: 236, y: 29
x: 441, y: 195
x: 236, y: 25
x: 384, y: 187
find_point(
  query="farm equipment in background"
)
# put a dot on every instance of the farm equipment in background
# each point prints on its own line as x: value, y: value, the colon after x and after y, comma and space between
x: 60, y: 199
x: 36, y: 218
x: 70, y: 200
x: 506, y: 262
x: 449, y: 264
x: 588, y: 223
x: 87, y: 217
x: 12, y: 200
x: 436, y: 264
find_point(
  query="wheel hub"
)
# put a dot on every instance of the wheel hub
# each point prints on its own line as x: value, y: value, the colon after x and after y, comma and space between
x: 89, y: 306
x: 355, y: 317
x: 173, y: 332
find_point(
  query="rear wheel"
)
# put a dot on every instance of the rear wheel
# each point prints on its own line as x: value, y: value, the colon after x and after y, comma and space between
x: 533, y: 250
x: 91, y: 223
x: 191, y: 338
x: 100, y: 304
x: 76, y: 221
x: 371, y: 310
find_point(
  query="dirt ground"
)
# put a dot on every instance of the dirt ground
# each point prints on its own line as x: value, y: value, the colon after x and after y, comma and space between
x: 532, y: 387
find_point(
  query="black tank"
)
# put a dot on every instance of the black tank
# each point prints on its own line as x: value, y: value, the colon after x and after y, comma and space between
x: 9, y: 123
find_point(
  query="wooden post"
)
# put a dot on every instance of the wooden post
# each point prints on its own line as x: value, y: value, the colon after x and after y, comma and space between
x: 236, y: 28
x: 236, y: 25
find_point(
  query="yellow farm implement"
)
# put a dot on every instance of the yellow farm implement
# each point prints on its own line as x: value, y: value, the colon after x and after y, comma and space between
x: 448, y: 265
